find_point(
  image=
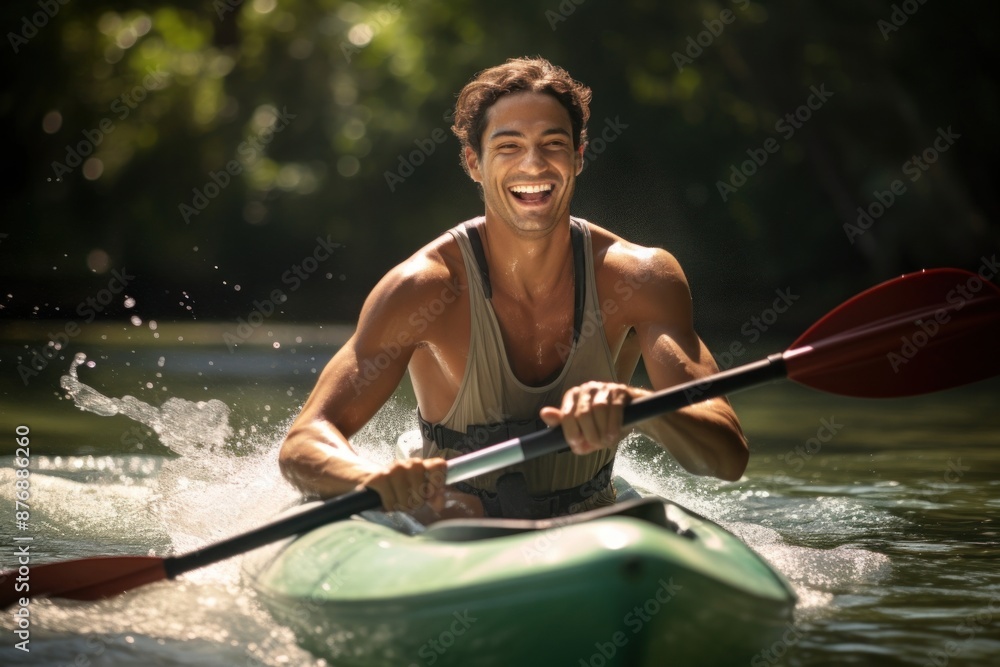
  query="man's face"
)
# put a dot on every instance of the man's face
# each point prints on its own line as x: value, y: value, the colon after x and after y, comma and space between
x: 528, y: 167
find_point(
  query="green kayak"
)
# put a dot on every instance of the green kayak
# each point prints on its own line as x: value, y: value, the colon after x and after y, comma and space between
x: 644, y: 582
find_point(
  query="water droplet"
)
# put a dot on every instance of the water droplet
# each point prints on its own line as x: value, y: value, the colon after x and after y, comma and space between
x: 276, y: 345
x: 161, y: 361
x: 129, y: 302
x: 136, y: 320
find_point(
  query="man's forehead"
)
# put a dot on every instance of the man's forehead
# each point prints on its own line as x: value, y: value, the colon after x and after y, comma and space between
x: 522, y: 112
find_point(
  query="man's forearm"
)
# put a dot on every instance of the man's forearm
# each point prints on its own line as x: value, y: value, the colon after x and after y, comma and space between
x: 705, y: 438
x: 318, y: 465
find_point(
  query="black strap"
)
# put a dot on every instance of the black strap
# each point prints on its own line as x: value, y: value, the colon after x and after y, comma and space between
x: 579, y: 278
x: 512, y: 501
x: 484, y: 269
x: 477, y: 436
x: 579, y: 270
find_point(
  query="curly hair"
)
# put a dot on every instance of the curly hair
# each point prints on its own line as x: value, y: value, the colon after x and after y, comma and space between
x: 535, y: 75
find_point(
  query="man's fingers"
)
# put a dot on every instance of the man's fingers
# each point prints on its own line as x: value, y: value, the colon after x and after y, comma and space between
x: 551, y: 416
x: 590, y: 429
x: 435, y: 474
x: 592, y: 415
x: 405, y: 486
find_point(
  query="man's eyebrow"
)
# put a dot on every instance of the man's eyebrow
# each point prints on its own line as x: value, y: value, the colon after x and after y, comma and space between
x: 516, y: 133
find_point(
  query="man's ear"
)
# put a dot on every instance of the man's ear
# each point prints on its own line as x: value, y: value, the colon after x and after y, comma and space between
x: 578, y: 156
x: 472, y: 162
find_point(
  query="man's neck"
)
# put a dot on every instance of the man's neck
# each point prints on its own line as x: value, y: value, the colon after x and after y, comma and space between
x: 527, y: 266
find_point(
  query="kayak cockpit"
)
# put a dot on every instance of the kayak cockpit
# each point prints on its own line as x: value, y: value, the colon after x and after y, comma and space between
x: 651, y: 510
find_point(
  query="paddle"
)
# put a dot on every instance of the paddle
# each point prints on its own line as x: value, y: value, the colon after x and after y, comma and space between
x: 915, y: 334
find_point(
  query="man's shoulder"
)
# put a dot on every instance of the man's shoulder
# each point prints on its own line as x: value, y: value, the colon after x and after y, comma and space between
x: 437, y: 265
x: 618, y: 258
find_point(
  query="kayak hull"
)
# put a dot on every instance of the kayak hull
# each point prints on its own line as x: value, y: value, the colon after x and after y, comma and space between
x: 655, y: 585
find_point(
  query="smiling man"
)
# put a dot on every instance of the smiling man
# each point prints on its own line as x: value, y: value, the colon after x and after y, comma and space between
x: 521, y: 318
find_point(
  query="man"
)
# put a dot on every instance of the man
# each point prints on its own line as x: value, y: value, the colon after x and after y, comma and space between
x: 522, y: 314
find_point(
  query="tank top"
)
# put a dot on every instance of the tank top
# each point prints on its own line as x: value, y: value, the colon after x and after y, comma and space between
x: 490, y: 392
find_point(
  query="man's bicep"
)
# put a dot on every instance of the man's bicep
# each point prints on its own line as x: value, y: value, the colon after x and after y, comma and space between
x: 366, y: 371
x: 354, y: 385
x: 672, y: 357
x: 671, y: 349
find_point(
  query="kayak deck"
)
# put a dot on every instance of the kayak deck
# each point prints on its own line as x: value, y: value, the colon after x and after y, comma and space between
x: 643, y: 582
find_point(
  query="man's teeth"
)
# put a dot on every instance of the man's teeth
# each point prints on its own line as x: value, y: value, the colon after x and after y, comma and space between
x: 530, y: 189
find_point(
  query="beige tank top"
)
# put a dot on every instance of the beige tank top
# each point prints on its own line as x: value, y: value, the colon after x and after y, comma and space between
x: 490, y: 392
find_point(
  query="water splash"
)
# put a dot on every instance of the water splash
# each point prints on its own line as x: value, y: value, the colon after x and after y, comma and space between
x: 180, y: 424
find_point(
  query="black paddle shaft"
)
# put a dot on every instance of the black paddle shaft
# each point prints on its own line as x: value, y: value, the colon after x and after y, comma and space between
x: 340, y: 507
x: 727, y: 382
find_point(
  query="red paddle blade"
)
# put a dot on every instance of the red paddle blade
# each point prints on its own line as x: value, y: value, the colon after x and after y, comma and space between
x: 84, y: 579
x: 918, y: 333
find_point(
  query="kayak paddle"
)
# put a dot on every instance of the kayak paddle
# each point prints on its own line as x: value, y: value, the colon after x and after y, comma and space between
x: 916, y: 334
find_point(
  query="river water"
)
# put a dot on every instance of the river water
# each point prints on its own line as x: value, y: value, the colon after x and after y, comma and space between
x: 885, y: 515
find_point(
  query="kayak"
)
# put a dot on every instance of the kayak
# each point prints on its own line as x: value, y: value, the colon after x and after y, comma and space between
x: 642, y: 582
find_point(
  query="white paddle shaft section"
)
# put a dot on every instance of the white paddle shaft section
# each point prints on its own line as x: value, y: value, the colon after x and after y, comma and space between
x: 486, y: 460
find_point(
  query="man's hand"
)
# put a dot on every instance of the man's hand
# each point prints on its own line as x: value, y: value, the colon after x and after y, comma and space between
x: 406, y: 486
x: 591, y: 415
x: 417, y: 486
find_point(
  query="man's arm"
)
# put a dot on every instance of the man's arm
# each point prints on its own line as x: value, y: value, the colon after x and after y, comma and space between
x: 316, y: 456
x: 705, y: 438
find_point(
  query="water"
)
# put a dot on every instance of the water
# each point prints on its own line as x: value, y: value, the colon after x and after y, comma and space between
x: 883, y: 514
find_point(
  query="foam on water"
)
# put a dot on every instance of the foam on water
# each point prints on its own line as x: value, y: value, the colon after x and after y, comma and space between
x: 816, y: 574
x: 180, y: 424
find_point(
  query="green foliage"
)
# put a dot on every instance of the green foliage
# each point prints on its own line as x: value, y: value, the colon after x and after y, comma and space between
x: 345, y: 92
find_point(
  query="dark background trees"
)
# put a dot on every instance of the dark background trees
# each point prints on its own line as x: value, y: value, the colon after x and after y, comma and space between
x: 330, y: 116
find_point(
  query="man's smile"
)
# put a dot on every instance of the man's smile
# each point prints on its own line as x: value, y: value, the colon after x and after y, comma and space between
x: 532, y: 193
